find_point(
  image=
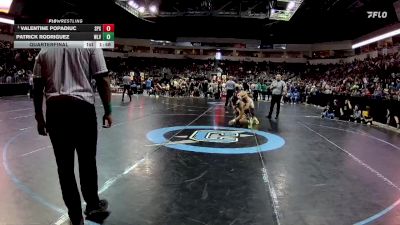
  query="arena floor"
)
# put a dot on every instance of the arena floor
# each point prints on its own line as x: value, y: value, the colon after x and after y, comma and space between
x: 173, y: 162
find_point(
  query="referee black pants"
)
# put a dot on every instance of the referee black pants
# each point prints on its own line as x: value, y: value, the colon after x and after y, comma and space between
x: 255, y: 95
x: 72, y: 126
x: 127, y: 88
x: 229, y: 94
x: 276, y: 99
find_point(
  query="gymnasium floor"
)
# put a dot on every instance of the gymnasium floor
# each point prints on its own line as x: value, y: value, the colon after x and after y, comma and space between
x: 173, y: 162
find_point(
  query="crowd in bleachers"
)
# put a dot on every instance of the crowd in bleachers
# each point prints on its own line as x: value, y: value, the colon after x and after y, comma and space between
x: 15, y: 64
x: 373, y: 77
x: 370, y: 81
x: 377, y: 78
x: 155, y: 67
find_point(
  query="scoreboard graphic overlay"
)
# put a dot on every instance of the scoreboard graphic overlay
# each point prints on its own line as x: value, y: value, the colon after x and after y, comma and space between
x: 57, y: 35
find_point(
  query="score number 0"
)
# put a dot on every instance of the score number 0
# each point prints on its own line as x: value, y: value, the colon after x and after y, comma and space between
x: 108, y: 32
x: 108, y: 27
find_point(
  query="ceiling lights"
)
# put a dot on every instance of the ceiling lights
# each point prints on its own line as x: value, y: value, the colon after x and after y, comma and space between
x: 275, y: 10
x: 136, y: 8
x: 285, y: 9
x: 5, y: 5
x: 5, y: 20
x: 133, y: 4
x: 376, y: 38
x: 153, y: 9
x: 291, y: 5
x: 141, y: 9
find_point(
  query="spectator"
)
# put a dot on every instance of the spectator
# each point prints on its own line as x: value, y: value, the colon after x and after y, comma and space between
x: 31, y: 86
x: 254, y: 89
x: 366, y: 116
x: 259, y: 91
x: 356, y: 115
x: 149, y: 84
x: 347, y: 110
x: 393, y: 115
x: 264, y: 89
x: 205, y: 88
x: 269, y: 90
x: 295, y: 96
x: 328, y: 112
x: 337, y: 109
x: 9, y: 79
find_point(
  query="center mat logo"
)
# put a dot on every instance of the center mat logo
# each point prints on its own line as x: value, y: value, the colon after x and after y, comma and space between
x: 217, y: 140
x: 217, y: 136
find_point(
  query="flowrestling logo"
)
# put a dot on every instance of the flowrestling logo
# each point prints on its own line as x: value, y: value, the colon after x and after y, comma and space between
x: 377, y: 14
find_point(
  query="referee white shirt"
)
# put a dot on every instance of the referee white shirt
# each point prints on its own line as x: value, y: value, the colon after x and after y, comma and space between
x: 68, y: 71
x: 126, y: 80
x: 230, y: 85
x: 279, y: 87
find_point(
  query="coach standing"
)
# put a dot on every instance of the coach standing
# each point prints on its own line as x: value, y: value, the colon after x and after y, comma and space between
x: 278, y: 88
x: 230, y: 90
x: 64, y: 76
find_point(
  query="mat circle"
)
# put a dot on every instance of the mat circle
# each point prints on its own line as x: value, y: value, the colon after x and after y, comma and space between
x: 273, y: 142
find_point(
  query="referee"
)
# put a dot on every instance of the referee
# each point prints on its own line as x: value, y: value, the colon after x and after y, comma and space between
x: 64, y: 75
x: 278, y: 88
x: 230, y: 90
x: 126, y: 80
